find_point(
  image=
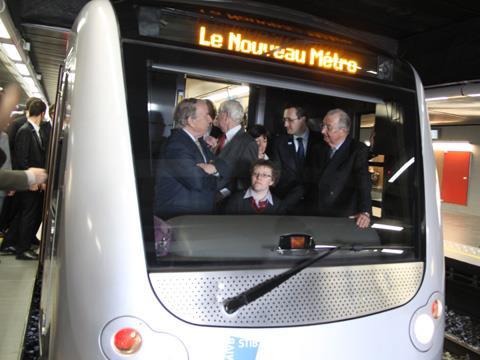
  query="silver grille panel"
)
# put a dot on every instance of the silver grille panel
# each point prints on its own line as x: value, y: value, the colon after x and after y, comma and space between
x: 315, y: 295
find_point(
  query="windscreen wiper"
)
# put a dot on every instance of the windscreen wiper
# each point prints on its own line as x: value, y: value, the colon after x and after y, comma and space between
x: 232, y: 304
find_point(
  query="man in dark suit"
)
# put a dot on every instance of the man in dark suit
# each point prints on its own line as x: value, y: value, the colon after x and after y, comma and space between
x: 29, y: 152
x: 182, y: 187
x: 236, y: 150
x: 16, y: 124
x: 293, y: 153
x: 341, y: 171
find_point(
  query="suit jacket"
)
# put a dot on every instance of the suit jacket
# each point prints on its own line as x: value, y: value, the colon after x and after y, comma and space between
x: 45, y: 130
x: 237, y: 205
x: 13, y: 128
x: 181, y: 187
x: 234, y: 161
x: 13, y: 180
x: 292, y: 175
x: 29, y: 151
x: 343, y: 182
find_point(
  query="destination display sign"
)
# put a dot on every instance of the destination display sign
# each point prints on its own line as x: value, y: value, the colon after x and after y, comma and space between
x: 238, y: 41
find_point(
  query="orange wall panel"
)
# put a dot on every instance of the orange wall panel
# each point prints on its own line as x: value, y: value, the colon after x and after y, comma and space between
x: 455, y: 174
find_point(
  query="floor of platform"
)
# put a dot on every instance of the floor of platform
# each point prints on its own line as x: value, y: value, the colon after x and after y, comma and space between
x: 461, y: 237
x: 16, y: 286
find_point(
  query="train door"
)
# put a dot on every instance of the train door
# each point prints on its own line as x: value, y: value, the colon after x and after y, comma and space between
x: 52, y: 209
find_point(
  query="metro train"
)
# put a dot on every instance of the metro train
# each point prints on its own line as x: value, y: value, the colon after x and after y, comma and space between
x: 112, y: 289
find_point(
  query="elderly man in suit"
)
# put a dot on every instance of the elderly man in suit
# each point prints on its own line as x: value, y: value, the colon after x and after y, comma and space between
x: 236, y: 150
x: 293, y: 153
x: 182, y: 187
x: 341, y: 171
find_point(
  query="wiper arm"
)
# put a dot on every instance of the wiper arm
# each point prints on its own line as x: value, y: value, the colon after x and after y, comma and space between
x: 234, y: 303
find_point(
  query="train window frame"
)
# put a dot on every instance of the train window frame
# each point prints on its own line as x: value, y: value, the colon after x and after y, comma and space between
x: 139, y: 63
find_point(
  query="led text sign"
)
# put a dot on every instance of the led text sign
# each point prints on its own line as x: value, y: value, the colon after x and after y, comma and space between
x: 313, y: 56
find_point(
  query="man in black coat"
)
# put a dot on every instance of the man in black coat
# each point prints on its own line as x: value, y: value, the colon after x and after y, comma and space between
x: 29, y: 152
x: 293, y: 154
x: 16, y: 124
x: 341, y: 174
x: 181, y: 186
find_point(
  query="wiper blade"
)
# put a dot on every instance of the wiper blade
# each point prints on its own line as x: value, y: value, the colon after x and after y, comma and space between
x: 233, y: 304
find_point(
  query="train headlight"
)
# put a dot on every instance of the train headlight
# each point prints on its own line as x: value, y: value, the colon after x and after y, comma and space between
x: 426, y: 323
x: 128, y: 337
x: 127, y: 341
x: 423, y: 328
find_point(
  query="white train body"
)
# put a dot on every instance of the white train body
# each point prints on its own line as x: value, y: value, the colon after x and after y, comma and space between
x: 97, y: 276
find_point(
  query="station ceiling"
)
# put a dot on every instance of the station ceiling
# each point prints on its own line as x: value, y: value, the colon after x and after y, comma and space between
x: 441, y: 38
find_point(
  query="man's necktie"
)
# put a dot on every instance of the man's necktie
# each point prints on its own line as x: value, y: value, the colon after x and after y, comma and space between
x: 332, y: 152
x: 39, y: 139
x: 220, y: 144
x: 300, y: 152
x: 200, y: 149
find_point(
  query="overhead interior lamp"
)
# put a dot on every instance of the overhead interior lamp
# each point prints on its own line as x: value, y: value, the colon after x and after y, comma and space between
x: 452, y: 91
x: 12, y: 52
x: 3, y: 31
x: 229, y: 93
x: 401, y: 170
x: 437, y: 98
x: 30, y: 83
x: 16, y: 60
x: 22, y: 69
x: 387, y: 227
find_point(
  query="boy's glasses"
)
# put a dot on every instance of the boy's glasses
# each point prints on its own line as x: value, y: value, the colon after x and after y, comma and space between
x: 261, y: 175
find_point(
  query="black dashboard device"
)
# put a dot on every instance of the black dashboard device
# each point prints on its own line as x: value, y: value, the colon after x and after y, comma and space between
x: 296, y: 242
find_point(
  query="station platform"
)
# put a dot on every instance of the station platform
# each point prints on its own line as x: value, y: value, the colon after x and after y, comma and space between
x: 17, y: 279
x: 461, y: 237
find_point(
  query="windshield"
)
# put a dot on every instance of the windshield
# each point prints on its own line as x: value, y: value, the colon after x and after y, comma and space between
x: 220, y: 182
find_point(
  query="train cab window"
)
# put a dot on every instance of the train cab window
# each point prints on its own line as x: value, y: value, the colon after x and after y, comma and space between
x: 214, y: 238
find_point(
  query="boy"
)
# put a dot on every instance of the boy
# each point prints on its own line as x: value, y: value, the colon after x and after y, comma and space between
x: 257, y: 199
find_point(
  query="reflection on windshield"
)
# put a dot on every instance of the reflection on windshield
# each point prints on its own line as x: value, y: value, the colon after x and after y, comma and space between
x: 225, y: 190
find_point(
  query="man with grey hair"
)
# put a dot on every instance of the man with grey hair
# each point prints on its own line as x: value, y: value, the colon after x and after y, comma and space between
x: 181, y: 186
x: 341, y: 172
x: 236, y: 150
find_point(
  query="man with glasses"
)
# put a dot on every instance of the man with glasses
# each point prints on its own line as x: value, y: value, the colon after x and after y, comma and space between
x: 341, y: 172
x: 292, y: 152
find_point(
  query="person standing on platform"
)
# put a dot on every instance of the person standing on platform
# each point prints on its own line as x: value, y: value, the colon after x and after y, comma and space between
x: 29, y: 152
x: 12, y: 179
x: 16, y: 124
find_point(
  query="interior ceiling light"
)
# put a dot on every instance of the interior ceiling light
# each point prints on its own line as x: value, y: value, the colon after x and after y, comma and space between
x: 22, y: 69
x: 3, y: 31
x: 401, y: 170
x: 233, y: 92
x: 437, y: 98
x: 12, y: 52
x: 31, y: 84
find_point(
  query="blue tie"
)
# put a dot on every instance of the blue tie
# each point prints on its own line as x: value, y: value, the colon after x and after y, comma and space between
x: 300, y: 152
